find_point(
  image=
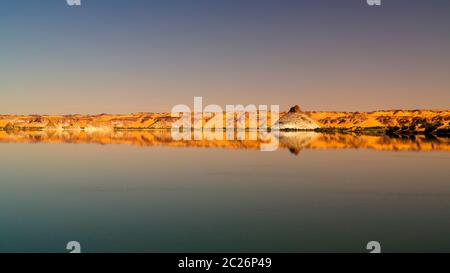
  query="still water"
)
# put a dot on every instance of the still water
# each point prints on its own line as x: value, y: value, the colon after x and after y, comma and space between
x: 143, y: 192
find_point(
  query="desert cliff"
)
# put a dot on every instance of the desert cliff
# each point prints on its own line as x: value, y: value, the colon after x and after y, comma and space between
x: 390, y: 121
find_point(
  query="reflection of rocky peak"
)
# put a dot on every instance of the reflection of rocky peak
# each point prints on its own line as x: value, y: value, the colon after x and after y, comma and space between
x: 295, y: 119
x: 296, y: 141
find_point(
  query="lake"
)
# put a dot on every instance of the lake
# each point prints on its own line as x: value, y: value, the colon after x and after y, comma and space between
x: 141, y: 191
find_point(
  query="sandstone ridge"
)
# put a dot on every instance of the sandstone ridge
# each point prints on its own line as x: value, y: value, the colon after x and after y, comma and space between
x: 390, y: 121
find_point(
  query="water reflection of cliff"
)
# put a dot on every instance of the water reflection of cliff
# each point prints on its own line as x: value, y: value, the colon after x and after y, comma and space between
x: 294, y: 141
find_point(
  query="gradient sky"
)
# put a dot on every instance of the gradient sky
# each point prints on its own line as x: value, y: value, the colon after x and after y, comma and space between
x: 141, y: 55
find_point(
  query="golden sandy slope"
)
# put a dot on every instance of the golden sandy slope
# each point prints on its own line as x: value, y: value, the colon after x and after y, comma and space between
x: 428, y: 121
x: 416, y: 121
x: 108, y: 122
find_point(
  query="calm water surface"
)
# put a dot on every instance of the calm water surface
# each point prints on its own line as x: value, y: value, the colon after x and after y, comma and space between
x: 163, y: 198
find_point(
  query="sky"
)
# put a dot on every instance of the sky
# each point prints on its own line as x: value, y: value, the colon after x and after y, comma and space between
x: 112, y: 56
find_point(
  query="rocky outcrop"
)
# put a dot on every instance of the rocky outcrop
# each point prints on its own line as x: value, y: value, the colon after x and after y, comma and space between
x: 428, y: 122
x: 391, y: 122
x: 295, y: 109
x: 163, y: 123
x: 295, y: 119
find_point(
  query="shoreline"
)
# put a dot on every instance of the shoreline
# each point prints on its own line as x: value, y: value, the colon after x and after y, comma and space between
x: 389, y: 122
x: 293, y: 141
